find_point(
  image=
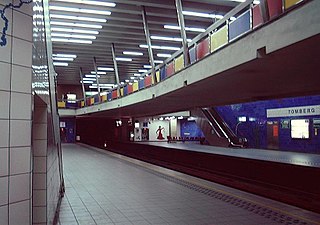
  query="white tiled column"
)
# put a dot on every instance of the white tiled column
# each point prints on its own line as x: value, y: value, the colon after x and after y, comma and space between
x: 15, y: 117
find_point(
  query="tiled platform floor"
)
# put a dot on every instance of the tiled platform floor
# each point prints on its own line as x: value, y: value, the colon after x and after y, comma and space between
x: 105, y: 188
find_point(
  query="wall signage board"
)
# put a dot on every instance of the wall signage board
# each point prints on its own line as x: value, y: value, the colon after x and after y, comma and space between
x: 294, y: 111
x: 285, y: 124
x: 316, y: 123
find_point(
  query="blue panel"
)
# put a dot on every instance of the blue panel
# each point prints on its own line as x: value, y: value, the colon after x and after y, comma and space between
x: 240, y: 25
x: 109, y: 96
x: 96, y: 99
x: 163, y: 73
x: 192, y: 53
x: 190, y: 129
x: 141, y: 84
x: 71, y: 105
x: 256, y: 129
x: 125, y: 90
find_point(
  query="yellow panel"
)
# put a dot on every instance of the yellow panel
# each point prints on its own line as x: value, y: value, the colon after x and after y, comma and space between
x: 178, y: 63
x: 152, y: 80
x: 91, y: 100
x: 104, y: 98
x: 289, y: 3
x: 158, y: 76
x: 82, y: 103
x: 61, y: 104
x: 121, y: 92
x: 135, y: 86
x: 219, y: 38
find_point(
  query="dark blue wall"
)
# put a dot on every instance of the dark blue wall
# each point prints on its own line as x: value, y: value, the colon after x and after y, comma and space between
x: 190, y: 127
x: 256, y: 131
x: 68, y: 135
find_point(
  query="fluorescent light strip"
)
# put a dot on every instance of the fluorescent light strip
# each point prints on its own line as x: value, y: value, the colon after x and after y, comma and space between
x: 160, y: 47
x: 143, y: 71
x: 105, y: 68
x: 80, y: 36
x: 60, y: 64
x: 147, y: 66
x: 87, y: 78
x: 99, y: 72
x: 80, y: 18
x: 62, y: 59
x: 90, y: 75
x: 123, y: 59
x: 87, y: 82
x: 100, y: 3
x: 71, y: 30
x: 158, y: 61
x: 168, y: 38
x: 79, y: 10
x: 198, y: 14
x: 75, y: 24
x: 137, y: 74
x: 64, y: 55
x: 71, y: 40
x: 164, y: 55
x: 194, y: 29
x: 132, y: 53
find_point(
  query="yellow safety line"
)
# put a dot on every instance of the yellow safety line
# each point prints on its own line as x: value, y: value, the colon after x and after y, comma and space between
x: 218, y: 190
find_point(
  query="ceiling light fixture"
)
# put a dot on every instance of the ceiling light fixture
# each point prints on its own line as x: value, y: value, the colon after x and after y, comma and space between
x: 79, y: 10
x: 90, y: 75
x: 132, y: 53
x: 71, y: 30
x: 123, y: 59
x: 80, y: 36
x: 105, y: 68
x: 163, y: 55
x: 60, y: 64
x: 158, y: 61
x: 64, y: 55
x: 62, y: 59
x: 142, y: 71
x: 99, y: 72
x: 87, y: 78
x: 87, y: 82
x: 71, y: 40
x: 137, y: 74
x: 100, y: 3
x: 194, y: 29
x: 160, y: 47
x: 199, y: 14
x: 80, y: 18
x: 147, y: 66
x: 168, y: 38
x: 75, y: 24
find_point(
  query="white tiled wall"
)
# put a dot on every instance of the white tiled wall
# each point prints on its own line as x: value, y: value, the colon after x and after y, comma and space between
x: 15, y: 118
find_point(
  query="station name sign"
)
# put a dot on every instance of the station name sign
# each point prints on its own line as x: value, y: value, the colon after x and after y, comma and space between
x: 294, y: 111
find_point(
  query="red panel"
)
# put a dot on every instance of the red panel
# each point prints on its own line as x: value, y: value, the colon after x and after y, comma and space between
x: 114, y: 94
x: 257, y: 18
x: 130, y: 89
x: 203, y: 48
x: 170, y: 69
x: 147, y: 81
x: 275, y: 8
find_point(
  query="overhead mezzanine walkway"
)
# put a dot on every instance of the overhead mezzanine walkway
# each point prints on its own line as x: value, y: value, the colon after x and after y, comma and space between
x: 106, y: 188
x: 276, y: 59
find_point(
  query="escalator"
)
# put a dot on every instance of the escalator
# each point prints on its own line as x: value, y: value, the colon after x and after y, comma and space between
x: 215, y: 129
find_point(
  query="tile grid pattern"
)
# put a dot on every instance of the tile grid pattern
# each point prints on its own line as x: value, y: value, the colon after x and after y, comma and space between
x: 15, y: 117
x: 107, y: 190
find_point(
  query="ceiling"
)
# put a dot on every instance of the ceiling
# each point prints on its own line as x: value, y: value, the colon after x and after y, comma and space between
x: 124, y: 28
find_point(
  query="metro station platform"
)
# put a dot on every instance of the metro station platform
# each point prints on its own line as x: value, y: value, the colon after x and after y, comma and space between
x: 107, y: 188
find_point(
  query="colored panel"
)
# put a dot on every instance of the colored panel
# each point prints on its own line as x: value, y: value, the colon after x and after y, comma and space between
x: 125, y: 90
x: 179, y: 63
x: 109, y: 96
x: 121, y: 91
x: 91, y: 101
x: 148, y: 81
x: 192, y: 53
x: 203, y: 48
x: 135, y: 87
x: 163, y: 74
x: 114, y: 94
x: 130, y: 88
x: 256, y: 16
x: 158, y: 76
x: 170, y: 69
x: 219, y: 38
x: 239, y: 26
x: 275, y: 8
x: 141, y: 84
x: 61, y: 104
x: 82, y: 104
x: 96, y: 98
x: 290, y: 3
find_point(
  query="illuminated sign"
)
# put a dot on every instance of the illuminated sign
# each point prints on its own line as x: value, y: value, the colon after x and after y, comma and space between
x: 300, y: 129
x: 294, y: 111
